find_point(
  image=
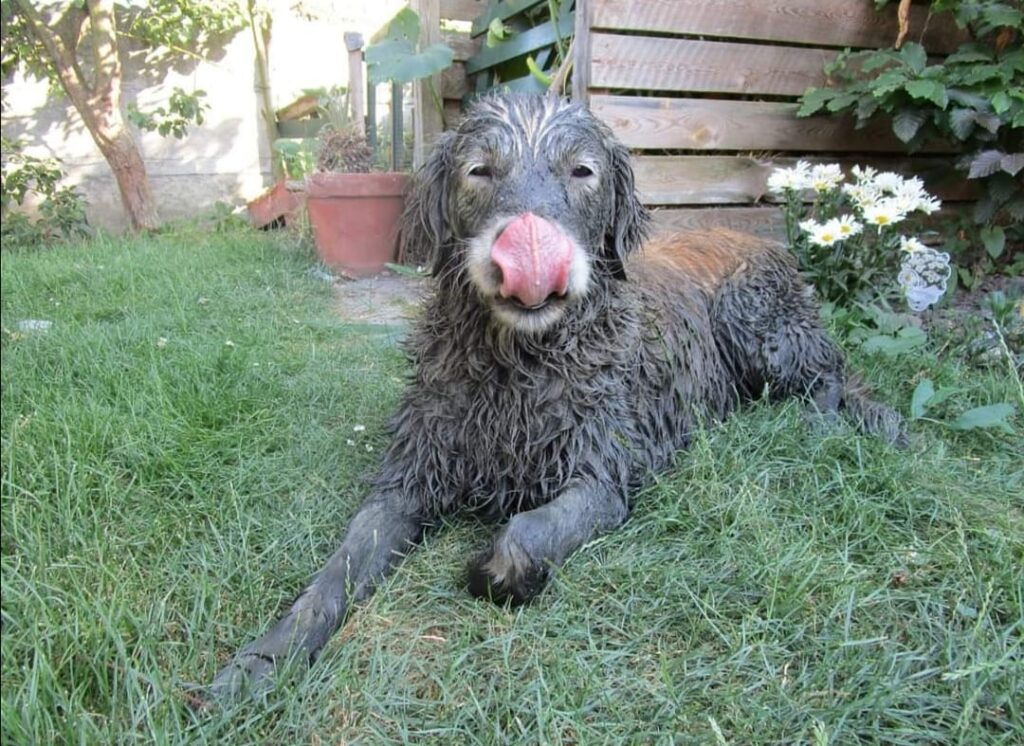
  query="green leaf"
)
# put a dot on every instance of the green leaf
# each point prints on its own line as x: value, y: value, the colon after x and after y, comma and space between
x: 994, y: 239
x: 999, y: 14
x: 914, y: 56
x: 992, y: 415
x: 930, y: 90
x: 397, y: 61
x: 907, y: 122
x: 497, y: 32
x: 1011, y: 163
x: 961, y: 122
x: 967, y: 278
x: 968, y: 54
x: 909, y: 338
x: 841, y: 101
x: 922, y: 395
x: 887, y: 82
x: 866, y: 108
x: 813, y: 99
x: 1000, y: 102
x: 985, y: 163
x: 405, y: 26
x: 968, y: 99
x: 876, y: 60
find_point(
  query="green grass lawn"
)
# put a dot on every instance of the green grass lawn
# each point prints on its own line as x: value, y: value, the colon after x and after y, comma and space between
x: 180, y: 452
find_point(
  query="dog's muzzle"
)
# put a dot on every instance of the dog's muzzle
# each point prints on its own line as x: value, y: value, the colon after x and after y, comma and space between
x: 535, y: 258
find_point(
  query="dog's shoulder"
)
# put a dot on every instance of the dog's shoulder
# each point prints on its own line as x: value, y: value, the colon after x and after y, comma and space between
x: 707, y: 257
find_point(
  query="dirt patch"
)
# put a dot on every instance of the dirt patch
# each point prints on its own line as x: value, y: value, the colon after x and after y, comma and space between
x: 388, y: 299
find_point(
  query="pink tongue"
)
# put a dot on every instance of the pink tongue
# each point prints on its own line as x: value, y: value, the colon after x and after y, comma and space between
x: 534, y: 258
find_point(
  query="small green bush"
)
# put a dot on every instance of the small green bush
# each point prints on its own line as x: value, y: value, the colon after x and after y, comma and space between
x: 61, y: 211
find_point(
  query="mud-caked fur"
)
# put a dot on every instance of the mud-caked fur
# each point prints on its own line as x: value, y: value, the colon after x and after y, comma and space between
x: 548, y: 418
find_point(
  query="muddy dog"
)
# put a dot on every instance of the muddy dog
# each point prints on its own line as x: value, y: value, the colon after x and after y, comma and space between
x: 555, y: 370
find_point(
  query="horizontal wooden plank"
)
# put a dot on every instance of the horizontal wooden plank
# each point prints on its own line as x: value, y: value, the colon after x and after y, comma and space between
x: 761, y: 221
x: 721, y: 179
x: 826, y: 23
x: 503, y: 9
x: 519, y: 45
x: 462, y: 10
x: 708, y: 124
x: 689, y: 65
x: 766, y: 221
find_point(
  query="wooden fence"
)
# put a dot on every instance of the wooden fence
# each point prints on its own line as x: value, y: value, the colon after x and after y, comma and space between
x: 704, y: 92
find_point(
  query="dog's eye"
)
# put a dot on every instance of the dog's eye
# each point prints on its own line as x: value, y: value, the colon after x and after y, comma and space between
x: 582, y: 172
x: 481, y: 172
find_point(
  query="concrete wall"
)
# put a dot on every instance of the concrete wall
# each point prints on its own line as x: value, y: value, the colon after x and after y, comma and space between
x: 227, y: 159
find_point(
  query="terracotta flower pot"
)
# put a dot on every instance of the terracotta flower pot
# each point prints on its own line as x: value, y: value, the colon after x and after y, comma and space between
x: 355, y: 218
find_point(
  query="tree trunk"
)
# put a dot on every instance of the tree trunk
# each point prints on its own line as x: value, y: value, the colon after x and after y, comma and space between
x: 122, y: 153
x: 98, y: 98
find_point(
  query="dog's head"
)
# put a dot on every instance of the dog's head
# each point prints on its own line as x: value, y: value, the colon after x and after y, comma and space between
x: 532, y: 199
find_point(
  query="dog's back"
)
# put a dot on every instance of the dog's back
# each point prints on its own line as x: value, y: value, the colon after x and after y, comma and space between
x: 707, y: 257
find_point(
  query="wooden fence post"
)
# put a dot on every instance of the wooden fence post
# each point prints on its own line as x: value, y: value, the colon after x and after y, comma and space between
x: 356, y: 86
x: 428, y: 121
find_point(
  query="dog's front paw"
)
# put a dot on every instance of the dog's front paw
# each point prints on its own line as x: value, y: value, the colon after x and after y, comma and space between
x: 247, y: 675
x: 506, y: 574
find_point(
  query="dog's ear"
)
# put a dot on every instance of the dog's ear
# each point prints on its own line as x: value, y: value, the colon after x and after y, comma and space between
x: 425, y: 233
x: 630, y: 219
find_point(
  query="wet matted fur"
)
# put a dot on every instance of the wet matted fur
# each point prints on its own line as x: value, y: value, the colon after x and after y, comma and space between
x: 555, y: 370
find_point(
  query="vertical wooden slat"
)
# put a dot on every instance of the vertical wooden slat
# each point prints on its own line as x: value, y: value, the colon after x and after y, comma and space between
x: 428, y: 121
x: 581, y: 51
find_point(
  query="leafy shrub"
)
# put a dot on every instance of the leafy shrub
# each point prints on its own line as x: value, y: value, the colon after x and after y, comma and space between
x: 61, y: 211
x: 974, y: 97
x: 181, y: 111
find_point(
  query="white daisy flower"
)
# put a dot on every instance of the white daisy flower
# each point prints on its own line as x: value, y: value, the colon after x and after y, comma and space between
x: 795, y: 179
x: 883, y: 213
x: 888, y: 181
x: 825, y: 177
x: 827, y: 234
x: 862, y: 195
x: 911, y: 244
x: 928, y: 204
x: 863, y: 175
x: 848, y: 226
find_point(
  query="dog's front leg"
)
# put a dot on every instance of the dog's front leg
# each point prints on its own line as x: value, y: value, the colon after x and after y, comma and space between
x: 517, y: 565
x: 382, y: 531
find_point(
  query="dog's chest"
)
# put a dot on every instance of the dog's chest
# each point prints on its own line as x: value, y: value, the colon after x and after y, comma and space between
x: 519, y: 436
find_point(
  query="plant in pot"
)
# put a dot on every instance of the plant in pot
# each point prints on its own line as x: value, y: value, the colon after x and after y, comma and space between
x: 354, y: 212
